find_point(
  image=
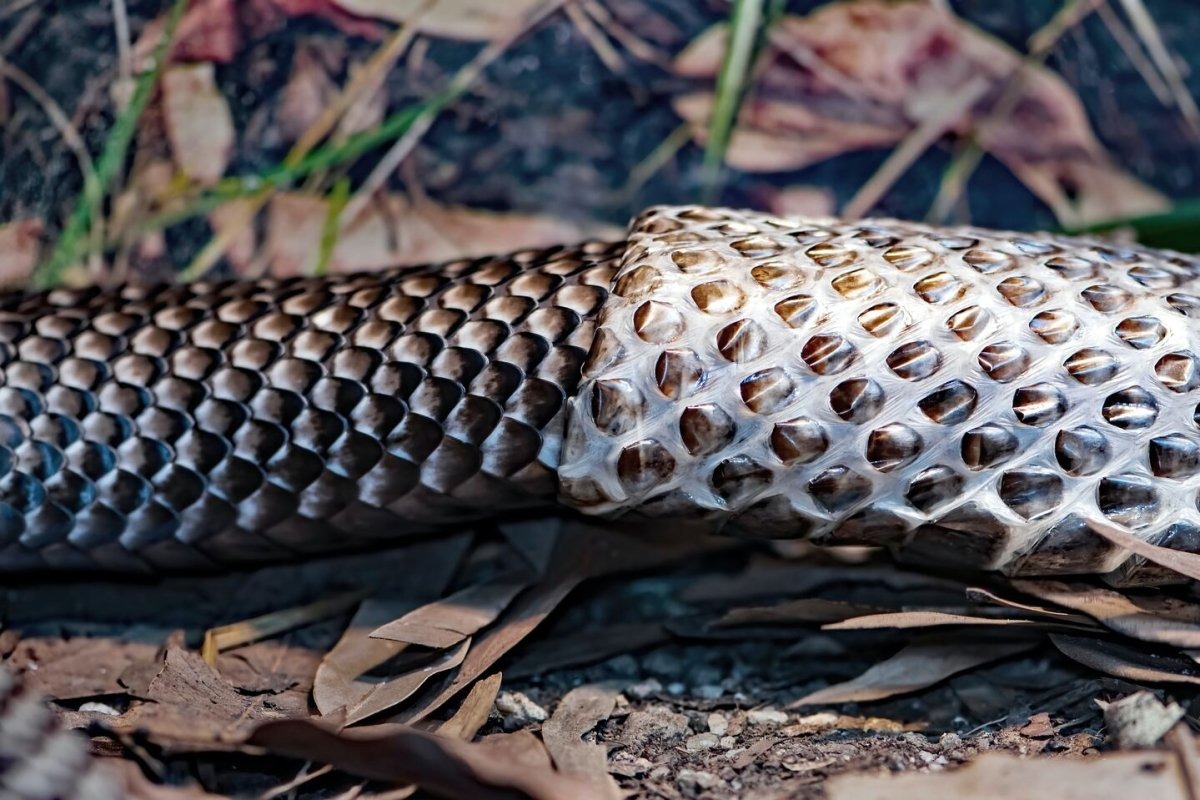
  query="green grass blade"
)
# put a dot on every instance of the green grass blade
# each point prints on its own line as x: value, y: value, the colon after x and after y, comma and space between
x: 89, y: 205
x: 745, y: 26
x: 1177, y: 229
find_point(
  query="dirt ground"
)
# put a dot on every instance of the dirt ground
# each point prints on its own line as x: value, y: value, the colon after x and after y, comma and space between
x: 694, y: 670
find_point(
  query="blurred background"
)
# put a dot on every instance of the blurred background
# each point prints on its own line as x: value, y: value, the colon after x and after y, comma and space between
x: 150, y: 140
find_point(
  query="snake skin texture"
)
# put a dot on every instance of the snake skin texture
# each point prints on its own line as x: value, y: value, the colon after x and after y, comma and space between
x: 970, y: 398
x: 184, y: 427
x: 39, y: 760
x: 966, y: 397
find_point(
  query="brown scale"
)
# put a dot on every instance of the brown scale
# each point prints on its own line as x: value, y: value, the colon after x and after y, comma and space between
x: 174, y: 427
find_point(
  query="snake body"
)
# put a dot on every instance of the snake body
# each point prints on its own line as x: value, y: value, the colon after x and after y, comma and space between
x: 967, y: 397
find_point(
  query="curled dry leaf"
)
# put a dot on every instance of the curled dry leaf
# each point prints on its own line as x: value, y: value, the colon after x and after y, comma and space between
x: 393, y: 232
x: 199, y: 124
x: 916, y: 666
x: 444, y: 766
x: 1162, y: 620
x: 391, y: 693
x: 467, y: 20
x: 1133, y: 663
x: 1187, y: 564
x: 1000, y: 776
x: 447, y: 622
x: 865, y: 74
x: 20, y: 244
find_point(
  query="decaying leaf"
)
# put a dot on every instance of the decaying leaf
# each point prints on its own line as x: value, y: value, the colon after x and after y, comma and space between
x: 1187, y: 564
x: 1159, y: 620
x: 579, y: 711
x: 393, y: 231
x: 864, y: 74
x: 468, y: 20
x: 1133, y: 663
x: 199, y: 124
x: 447, y: 767
x: 915, y: 667
x: 447, y: 622
x: 20, y: 245
x: 1000, y: 776
x: 339, y: 683
x: 392, y: 692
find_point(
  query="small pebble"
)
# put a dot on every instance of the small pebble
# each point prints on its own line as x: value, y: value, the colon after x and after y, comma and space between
x: 643, y: 689
x: 701, y: 742
x: 694, y: 779
x: 950, y: 741
x: 718, y: 723
x: 728, y: 742
x: 516, y: 710
x: 766, y: 716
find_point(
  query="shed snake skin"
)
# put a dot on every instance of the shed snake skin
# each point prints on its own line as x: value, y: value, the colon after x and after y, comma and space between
x: 966, y: 397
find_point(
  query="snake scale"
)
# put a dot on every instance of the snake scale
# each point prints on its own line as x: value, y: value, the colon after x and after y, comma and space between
x: 966, y: 397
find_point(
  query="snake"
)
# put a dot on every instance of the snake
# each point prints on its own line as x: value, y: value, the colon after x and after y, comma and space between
x: 967, y: 398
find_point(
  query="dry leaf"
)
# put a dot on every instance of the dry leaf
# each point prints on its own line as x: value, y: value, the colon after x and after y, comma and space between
x: 915, y: 667
x: 468, y: 20
x: 807, y: 610
x: 446, y: 767
x: 1187, y: 564
x: 393, y: 232
x: 1000, y: 776
x: 1161, y: 620
x: 579, y: 711
x: 445, y: 623
x: 20, y: 244
x: 337, y: 684
x: 244, y: 246
x: 308, y: 92
x: 1131, y: 663
x: 474, y: 712
x: 928, y: 619
x: 394, y: 691
x: 199, y: 124
x: 865, y: 74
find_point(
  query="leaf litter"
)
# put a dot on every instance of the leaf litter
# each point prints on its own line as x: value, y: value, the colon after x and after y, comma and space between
x: 639, y: 690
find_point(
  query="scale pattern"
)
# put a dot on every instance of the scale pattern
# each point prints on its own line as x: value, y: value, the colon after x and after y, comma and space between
x: 968, y: 397
x: 39, y: 760
x: 179, y: 427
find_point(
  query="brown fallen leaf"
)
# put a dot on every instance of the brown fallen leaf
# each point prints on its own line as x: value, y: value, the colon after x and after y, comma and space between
x: 866, y: 73
x: 338, y: 683
x: 199, y: 124
x: 444, y: 766
x: 393, y: 231
x: 1001, y: 776
x: 445, y: 623
x: 309, y: 88
x: 916, y: 666
x: 1140, y: 719
x: 77, y: 668
x: 191, y: 706
x: 1133, y: 663
x: 475, y: 709
x: 933, y: 619
x: 467, y: 20
x: 1158, y: 620
x: 806, y: 610
x: 394, y: 691
x: 20, y: 246
x: 580, y: 711
x: 1187, y: 564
